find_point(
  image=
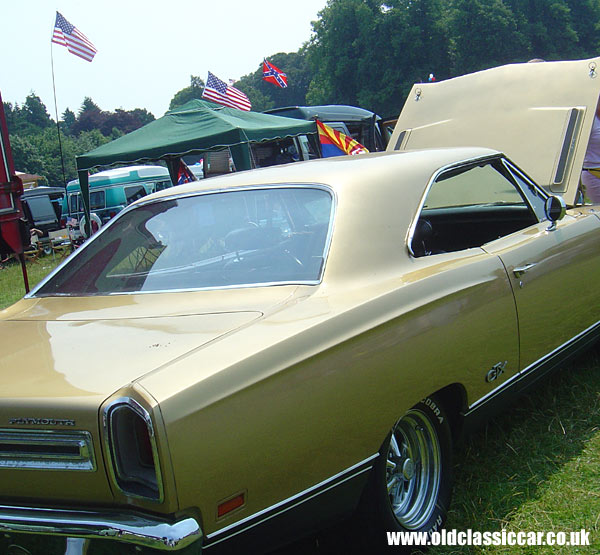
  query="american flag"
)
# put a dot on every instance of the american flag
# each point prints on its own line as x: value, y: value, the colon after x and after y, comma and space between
x: 218, y: 91
x: 77, y: 43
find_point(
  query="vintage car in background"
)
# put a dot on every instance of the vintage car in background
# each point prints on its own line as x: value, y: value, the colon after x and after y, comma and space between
x: 240, y: 360
x: 362, y: 125
x: 42, y: 208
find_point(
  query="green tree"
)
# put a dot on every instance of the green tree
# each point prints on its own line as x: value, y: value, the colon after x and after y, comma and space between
x: 585, y: 19
x: 260, y: 102
x: 11, y: 113
x: 195, y: 90
x: 90, y: 117
x: 410, y: 42
x: 367, y: 53
x: 335, y: 48
x: 125, y: 121
x: 34, y: 112
x: 68, y: 121
x: 484, y: 33
x: 25, y: 155
x: 31, y: 117
x: 46, y: 144
x: 265, y: 95
x: 89, y: 140
x: 547, y: 26
x: 39, y: 153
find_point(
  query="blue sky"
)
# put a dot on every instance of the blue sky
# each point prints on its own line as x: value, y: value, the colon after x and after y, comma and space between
x: 147, y: 50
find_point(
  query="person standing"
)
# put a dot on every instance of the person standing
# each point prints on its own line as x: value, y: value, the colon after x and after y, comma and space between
x: 590, y: 177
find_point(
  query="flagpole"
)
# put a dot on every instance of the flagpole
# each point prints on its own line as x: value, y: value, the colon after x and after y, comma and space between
x: 62, y: 160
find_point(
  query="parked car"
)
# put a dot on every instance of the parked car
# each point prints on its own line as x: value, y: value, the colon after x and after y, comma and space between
x: 235, y: 361
x: 112, y: 190
x: 42, y: 208
x: 360, y: 124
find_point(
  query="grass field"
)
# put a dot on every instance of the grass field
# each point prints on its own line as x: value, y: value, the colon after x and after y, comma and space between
x: 535, y: 467
x: 11, y: 277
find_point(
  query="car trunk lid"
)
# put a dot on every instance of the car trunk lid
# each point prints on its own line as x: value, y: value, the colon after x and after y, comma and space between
x: 92, y: 346
x: 539, y: 114
x: 65, y: 356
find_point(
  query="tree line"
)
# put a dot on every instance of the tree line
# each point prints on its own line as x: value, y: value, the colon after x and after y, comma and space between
x: 366, y: 53
x: 34, y: 135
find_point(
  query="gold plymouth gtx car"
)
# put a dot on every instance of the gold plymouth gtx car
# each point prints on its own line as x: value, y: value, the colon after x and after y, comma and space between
x: 235, y: 362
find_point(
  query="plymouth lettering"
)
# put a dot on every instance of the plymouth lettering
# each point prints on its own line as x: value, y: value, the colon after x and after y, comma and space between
x: 41, y: 422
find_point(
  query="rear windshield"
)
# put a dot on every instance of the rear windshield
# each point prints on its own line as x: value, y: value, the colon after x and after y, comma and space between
x: 214, y: 240
x: 41, y: 208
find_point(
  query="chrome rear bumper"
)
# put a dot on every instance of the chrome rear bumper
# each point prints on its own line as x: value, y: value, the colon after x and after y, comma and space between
x: 107, y: 525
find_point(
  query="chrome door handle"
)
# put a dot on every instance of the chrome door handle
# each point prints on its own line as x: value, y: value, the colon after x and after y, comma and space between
x: 522, y: 269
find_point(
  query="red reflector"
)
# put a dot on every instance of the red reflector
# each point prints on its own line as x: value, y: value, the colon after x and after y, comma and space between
x: 230, y: 505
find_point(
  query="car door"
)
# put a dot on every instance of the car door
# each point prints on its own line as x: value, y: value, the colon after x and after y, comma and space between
x: 554, y: 271
x: 465, y: 207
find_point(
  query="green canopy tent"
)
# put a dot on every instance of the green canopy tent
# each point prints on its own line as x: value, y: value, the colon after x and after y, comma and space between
x: 197, y: 126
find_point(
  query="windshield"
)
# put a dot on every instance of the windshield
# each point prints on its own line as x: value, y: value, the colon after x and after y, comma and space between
x: 213, y: 240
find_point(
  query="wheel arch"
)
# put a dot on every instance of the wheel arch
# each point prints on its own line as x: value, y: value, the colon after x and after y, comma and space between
x: 453, y: 399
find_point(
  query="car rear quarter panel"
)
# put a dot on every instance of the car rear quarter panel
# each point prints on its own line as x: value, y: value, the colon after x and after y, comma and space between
x: 314, y: 388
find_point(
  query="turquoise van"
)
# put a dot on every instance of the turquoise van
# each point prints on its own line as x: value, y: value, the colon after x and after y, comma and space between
x: 112, y: 190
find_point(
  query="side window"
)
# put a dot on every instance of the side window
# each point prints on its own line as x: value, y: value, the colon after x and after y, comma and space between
x: 161, y: 185
x: 134, y: 193
x: 535, y: 196
x: 74, y: 204
x: 97, y: 200
x: 469, y: 206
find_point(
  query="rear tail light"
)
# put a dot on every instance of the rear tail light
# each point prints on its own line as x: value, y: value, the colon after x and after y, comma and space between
x: 133, y: 453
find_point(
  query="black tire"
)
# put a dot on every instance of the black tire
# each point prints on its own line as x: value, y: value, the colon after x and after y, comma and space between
x: 410, y: 486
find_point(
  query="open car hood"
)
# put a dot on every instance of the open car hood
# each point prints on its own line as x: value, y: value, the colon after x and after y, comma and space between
x: 539, y: 114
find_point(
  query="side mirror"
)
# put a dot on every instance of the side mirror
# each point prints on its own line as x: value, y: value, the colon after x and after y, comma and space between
x: 555, y: 209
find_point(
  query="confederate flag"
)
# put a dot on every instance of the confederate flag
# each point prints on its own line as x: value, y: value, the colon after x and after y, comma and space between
x: 274, y: 75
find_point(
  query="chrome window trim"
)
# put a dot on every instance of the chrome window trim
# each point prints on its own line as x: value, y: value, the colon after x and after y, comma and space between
x: 144, y: 201
x: 516, y: 173
x: 532, y: 367
x: 291, y: 502
x: 110, y: 448
x: 81, y: 440
x: 196, y: 290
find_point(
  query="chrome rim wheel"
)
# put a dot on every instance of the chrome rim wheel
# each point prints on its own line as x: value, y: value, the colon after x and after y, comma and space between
x: 413, y: 470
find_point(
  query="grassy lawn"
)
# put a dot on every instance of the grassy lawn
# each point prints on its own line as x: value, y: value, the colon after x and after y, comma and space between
x: 535, y: 467
x: 11, y: 277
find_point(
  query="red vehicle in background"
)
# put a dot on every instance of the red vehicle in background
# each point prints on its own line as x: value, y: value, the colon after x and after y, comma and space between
x: 13, y: 231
